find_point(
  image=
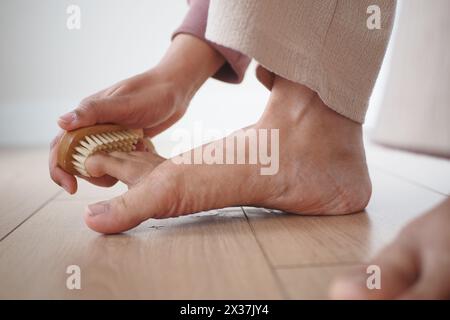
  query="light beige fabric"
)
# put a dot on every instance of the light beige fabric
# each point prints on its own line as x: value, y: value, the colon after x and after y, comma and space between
x: 415, y: 113
x: 325, y: 45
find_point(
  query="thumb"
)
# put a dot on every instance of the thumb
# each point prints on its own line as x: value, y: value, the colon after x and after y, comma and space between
x: 95, y: 110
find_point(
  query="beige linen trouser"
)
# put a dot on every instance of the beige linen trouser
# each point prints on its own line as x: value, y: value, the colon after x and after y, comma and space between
x: 325, y: 45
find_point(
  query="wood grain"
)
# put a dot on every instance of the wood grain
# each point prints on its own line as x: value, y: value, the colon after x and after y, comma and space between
x: 219, y: 254
x: 294, y: 240
x: 429, y: 172
x: 25, y: 185
x: 311, y: 283
x: 210, y: 255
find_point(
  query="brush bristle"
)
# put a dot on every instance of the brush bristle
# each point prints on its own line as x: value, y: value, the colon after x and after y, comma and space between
x: 124, y: 141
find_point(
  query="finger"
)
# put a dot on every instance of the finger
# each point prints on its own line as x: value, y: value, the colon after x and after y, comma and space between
x: 59, y: 176
x: 139, y: 110
x: 398, y: 266
x: 97, y: 110
x: 434, y: 281
x: 63, y: 179
x: 429, y: 288
x: 104, y: 181
x: 155, y: 129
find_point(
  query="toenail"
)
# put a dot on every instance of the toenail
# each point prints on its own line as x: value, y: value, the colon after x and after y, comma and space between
x: 98, y: 208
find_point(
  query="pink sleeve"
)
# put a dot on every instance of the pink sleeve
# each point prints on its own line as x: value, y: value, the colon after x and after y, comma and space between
x: 195, y: 24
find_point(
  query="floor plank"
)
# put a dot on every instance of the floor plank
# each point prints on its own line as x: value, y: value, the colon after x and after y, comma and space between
x: 25, y: 186
x: 430, y: 172
x: 293, y: 240
x: 310, y: 283
x: 208, y: 255
x: 216, y: 255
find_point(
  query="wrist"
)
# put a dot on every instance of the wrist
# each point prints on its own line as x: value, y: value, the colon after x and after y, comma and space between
x: 188, y: 63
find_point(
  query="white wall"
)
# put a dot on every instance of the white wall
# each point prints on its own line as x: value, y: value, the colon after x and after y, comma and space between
x: 45, y: 69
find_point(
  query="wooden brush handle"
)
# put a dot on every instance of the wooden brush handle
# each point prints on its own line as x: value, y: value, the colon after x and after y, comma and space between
x: 71, y: 139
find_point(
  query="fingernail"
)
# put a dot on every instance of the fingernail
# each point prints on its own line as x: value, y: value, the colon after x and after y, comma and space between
x: 68, y: 117
x: 98, y: 208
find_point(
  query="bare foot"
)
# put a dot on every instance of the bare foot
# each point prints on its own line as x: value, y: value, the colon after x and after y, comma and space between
x: 415, y: 266
x: 322, y: 170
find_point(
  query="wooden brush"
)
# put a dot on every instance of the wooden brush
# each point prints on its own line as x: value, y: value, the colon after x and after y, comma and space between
x: 76, y: 146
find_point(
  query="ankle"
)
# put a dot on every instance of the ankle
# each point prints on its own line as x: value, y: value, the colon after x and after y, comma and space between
x: 296, y: 104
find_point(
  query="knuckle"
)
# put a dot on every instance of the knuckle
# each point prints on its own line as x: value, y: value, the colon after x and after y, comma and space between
x: 85, y: 107
x: 170, y: 100
x: 86, y: 103
x: 125, y: 87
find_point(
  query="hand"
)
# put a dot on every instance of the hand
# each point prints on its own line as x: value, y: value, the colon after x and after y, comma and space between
x: 153, y: 100
x: 415, y: 266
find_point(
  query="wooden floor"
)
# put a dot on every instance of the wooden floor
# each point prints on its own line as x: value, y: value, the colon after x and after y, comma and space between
x: 236, y: 253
